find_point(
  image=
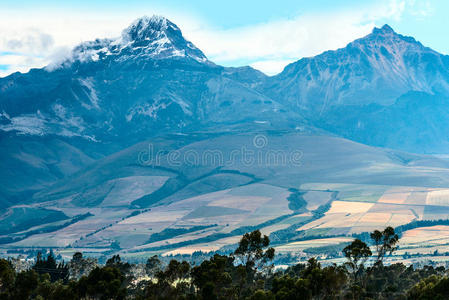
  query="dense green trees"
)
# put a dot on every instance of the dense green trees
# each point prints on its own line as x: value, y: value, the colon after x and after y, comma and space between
x: 220, y: 277
x: 247, y: 274
x: 215, y: 278
x: 102, y: 283
x: 7, y: 277
x: 311, y: 282
x: 48, y: 279
x: 49, y: 266
x: 171, y: 283
x: 431, y: 288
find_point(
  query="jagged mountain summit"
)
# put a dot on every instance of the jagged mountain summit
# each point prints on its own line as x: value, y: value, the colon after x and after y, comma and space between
x: 146, y: 38
x: 377, y: 68
x: 384, y: 89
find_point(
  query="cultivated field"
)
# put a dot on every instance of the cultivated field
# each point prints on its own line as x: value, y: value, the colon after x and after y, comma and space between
x: 136, y: 209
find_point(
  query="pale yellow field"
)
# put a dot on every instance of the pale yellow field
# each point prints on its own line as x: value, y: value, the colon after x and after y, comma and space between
x: 205, y: 247
x: 335, y: 220
x: 425, y: 240
x: 301, y: 245
x: 433, y: 235
x: 362, y: 216
x: 372, y: 221
x: 375, y: 218
x: 349, y: 207
x: 341, y: 214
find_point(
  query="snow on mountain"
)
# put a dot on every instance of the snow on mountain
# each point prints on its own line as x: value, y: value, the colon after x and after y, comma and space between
x: 146, y: 38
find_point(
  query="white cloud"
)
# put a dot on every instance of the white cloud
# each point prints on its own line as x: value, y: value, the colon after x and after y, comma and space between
x: 271, y: 67
x: 40, y: 38
x: 20, y: 62
x: 421, y: 9
x: 29, y: 40
x: 279, y: 42
x: 45, y: 36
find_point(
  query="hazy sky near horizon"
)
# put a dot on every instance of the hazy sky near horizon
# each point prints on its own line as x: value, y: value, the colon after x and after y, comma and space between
x: 264, y: 34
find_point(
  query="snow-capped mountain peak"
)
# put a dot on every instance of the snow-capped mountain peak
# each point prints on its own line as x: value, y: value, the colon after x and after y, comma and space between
x: 146, y: 38
x: 158, y: 37
x: 147, y: 28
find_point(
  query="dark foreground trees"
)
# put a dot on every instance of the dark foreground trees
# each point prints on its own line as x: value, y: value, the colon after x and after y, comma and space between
x: 310, y: 282
x: 245, y: 274
x: 49, y: 280
x: 432, y: 288
x: 48, y: 265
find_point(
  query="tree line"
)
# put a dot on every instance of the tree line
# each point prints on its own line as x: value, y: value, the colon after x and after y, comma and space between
x: 247, y: 273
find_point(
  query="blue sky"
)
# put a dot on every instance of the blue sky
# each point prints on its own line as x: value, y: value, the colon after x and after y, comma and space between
x: 264, y: 34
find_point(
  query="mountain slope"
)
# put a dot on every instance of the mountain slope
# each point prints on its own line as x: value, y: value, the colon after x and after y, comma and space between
x: 416, y: 122
x: 29, y: 164
x: 375, y: 69
x: 361, y: 91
